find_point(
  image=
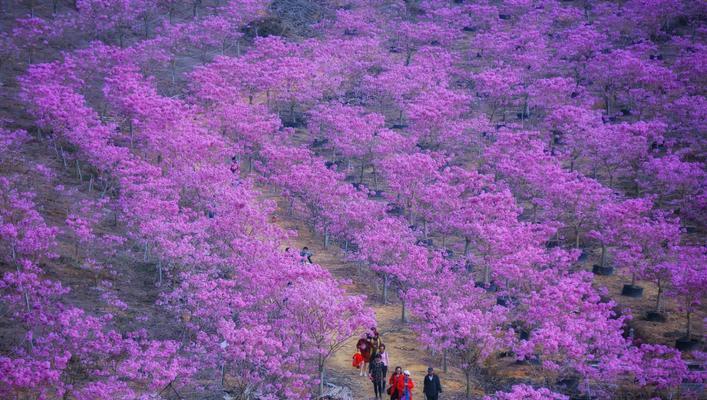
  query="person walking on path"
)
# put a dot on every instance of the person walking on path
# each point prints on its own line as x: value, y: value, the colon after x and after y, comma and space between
x: 375, y: 372
x: 405, y: 386
x: 393, y: 382
x: 364, y: 346
x: 376, y: 341
x: 432, y: 387
x: 384, y: 359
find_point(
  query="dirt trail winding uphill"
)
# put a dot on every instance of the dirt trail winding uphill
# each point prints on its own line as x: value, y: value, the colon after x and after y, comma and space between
x: 401, y: 343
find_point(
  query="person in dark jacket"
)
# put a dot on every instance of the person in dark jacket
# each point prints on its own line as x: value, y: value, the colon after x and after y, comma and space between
x: 432, y: 387
x: 306, y: 254
x: 375, y: 372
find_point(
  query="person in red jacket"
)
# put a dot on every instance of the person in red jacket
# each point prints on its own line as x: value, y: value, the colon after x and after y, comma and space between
x: 364, y: 346
x: 393, y: 381
x: 405, y: 385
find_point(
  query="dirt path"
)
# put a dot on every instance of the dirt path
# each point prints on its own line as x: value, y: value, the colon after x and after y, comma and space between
x: 401, y: 342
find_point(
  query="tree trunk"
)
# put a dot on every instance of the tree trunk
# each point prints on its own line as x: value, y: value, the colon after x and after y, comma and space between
x: 403, y: 317
x: 56, y: 149
x: 63, y: 156
x: 444, y: 361
x: 385, y: 289
x: 467, y: 242
x: 576, y: 237
x: 603, y: 255
x: 487, y: 274
x: 467, y: 376
x: 321, y: 376
x: 658, y: 300
x: 24, y: 294
x: 689, y: 323
x: 607, y: 100
x: 363, y: 167
x: 78, y: 170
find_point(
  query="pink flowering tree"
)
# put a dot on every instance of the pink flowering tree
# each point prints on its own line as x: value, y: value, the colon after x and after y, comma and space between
x: 578, y: 335
x: 407, y: 176
x: 487, y: 222
x: 468, y: 328
x: 676, y: 183
x: 324, y: 317
x: 628, y: 78
x: 435, y: 116
x: 350, y: 131
x: 31, y: 34
x: 644, y: 242
x: 388, y: 247
x: 526, y: 392
x: 500, y: 87
x: 575, y: 201
x: 570, y: 125
x: 119, y: 18
x: 410, y: 36
x: 660, y: 369
x: 688, y: 281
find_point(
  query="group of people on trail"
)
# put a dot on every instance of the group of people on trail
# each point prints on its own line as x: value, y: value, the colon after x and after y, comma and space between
x: 371, y: 359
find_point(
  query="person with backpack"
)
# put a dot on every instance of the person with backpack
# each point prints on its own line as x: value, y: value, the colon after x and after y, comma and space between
x: 375, y: 372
